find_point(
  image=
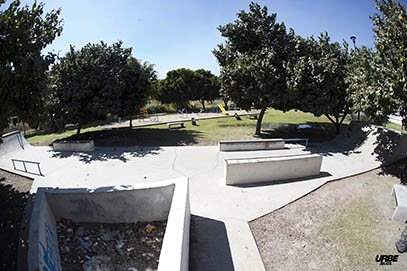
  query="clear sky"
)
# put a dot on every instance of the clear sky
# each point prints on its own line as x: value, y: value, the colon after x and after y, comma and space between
x: 181, y: 33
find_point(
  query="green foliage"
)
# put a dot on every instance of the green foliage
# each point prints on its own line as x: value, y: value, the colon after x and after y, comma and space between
x: 390, y: 86
x: 318, y: 78
x: 254, y: 60
x: 184, y: 85
x: 24, y: 33
x: 97, y: 80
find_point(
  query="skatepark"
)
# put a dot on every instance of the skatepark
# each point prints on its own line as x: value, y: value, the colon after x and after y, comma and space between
x: 212, y: 201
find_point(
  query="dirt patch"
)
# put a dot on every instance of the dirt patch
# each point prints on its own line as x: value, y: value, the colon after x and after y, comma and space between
x: 110, y: 247
x: 341, y: 226
x: 14, y: 193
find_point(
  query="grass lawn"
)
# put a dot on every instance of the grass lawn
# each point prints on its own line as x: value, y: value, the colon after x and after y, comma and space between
x: 208, y: 132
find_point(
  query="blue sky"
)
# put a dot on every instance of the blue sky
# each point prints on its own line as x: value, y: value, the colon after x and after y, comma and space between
x: 182, y: 33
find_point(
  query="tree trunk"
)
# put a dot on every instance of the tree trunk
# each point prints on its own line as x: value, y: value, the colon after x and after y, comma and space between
x: 203, y: 105
x: 258, y: 125
x: 131, y: 122
x: 336, y: 122
x: 226, y: 104
x: 24, y: 128
x: 79, y: 129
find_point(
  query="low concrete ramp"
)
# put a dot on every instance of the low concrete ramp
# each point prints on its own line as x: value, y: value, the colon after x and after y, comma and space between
x: 12, y: 143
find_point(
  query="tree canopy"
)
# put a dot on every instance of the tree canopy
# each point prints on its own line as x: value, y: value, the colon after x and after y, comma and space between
x: 24, y: 32
x: 390, y: 27
x: 318, y: 79
x: 254, y: 60
x: 183, y: 85
x: 97, y: 80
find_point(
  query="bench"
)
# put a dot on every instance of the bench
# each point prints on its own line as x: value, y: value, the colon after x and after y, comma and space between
x: 251, y: 145
x: 269, y: 169
x: 180, y: 123
x: 400, y: 194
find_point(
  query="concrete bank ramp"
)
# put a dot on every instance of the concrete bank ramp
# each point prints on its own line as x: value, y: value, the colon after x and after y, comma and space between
x: 12, y: 143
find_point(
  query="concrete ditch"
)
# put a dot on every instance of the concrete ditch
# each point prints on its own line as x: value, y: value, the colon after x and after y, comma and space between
x: 121, y: 204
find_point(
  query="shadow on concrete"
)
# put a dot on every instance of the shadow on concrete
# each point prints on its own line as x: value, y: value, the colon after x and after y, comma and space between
x: 109, y: 153
x: 390, y: 146
x: 318, y: 132
x: 323, y: 174
x: 209, y: 248
x: 140, y: 137
x: 352, y: 137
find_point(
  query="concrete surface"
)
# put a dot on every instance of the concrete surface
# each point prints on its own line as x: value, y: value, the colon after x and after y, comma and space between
x: 12, y: 142
x: 400, y: 194
x: 121, y: 204
x: 271, y: 169
x: 251, y: 145
x: 77, y: 145
x: 231, y: 207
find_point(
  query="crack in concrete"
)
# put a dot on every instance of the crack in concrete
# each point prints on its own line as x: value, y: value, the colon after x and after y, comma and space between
x: 173, y: 164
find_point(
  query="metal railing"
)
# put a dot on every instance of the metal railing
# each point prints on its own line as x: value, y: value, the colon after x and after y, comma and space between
x: 25, y: 167
x: 297, y: 139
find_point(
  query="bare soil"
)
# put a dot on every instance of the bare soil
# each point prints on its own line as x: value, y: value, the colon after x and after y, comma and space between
x: 341, y: 226
x: 110, y: 247
x: 14, y: 193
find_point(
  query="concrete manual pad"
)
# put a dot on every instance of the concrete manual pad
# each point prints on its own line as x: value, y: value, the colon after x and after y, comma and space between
x: 210, y: 198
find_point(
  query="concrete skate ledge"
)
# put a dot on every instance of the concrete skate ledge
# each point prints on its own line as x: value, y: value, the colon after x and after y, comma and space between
x: 260, y: 170
x: 77, y: 145
x: 251, y: 145
x: 400, y: 194
x: 121, y: 204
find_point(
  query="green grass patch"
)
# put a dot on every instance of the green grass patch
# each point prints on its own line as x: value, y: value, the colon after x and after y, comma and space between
x: 275, y: 124
x: 349, y: 236
x: 394, y: 126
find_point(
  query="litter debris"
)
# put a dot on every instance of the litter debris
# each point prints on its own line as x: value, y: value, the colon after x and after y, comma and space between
x: 110, y: 247
x: 149, y: 227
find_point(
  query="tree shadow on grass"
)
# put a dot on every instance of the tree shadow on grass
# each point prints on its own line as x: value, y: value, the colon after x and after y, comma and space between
x: 123, y: 143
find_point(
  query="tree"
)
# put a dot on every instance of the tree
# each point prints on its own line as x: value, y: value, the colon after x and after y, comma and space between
x: 176, y: 87
x: 24, y: 33
x: 205, y: 86
x: 318, y: 79
x: 389, y: 91
x: 254, y: 61
x: 183, y: 85
x: 138, y: 80
x: 364, y: 79
x: 97, y: 80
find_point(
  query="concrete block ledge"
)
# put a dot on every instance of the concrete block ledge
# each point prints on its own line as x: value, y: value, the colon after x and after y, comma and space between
x: 259, y: 170
x: 120, y: 204
x: 250, y: 145
x: 400, y: 194
x: 77, y: 145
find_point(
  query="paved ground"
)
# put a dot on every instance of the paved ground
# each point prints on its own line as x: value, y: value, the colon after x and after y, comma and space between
x: 162, y: 119
x: 228, y: 209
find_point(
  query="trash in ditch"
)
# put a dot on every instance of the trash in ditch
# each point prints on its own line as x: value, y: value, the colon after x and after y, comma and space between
x: 83, y: 244
x: 66, y: 221
x: 149, y: 227
x: 103, y: 246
